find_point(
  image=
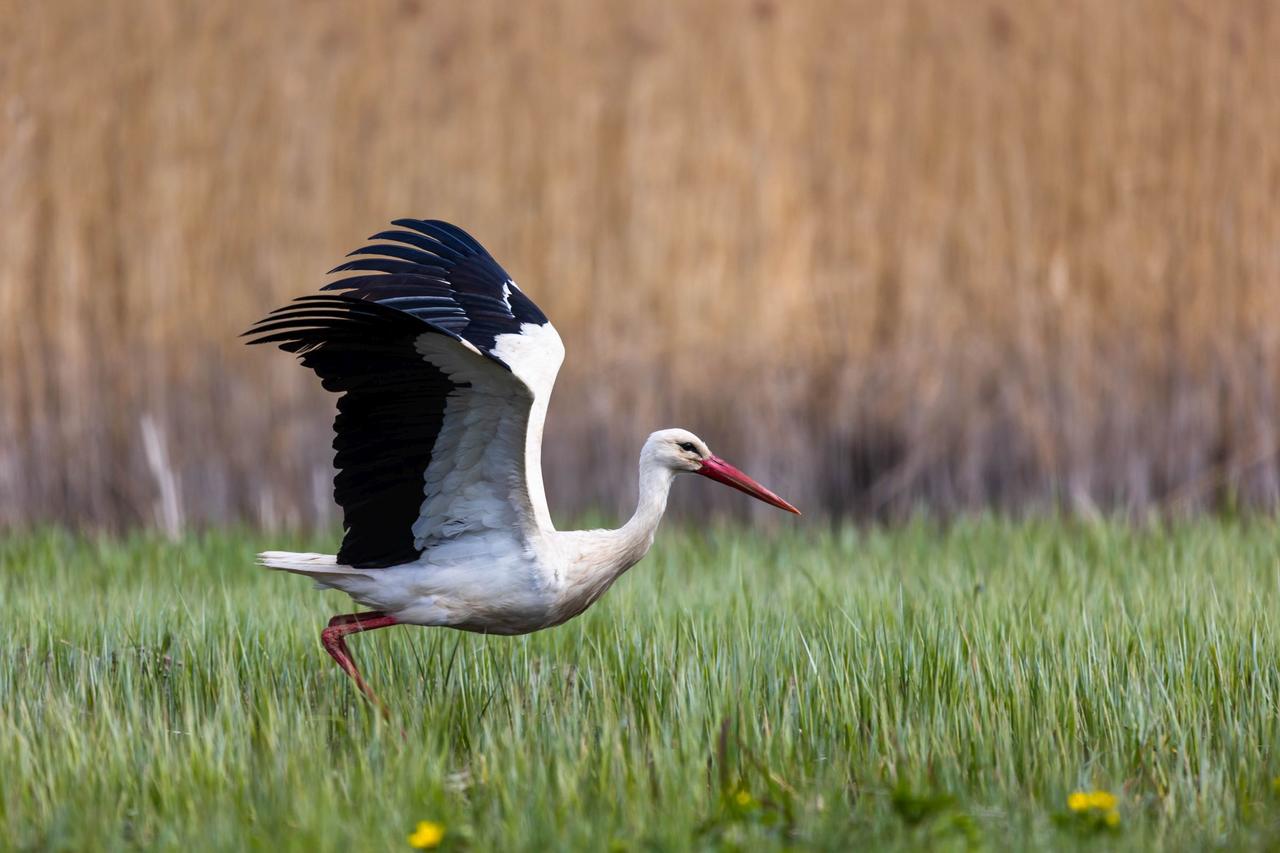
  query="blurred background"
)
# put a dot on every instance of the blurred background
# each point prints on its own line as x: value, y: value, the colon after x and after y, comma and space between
x: 886, y: 256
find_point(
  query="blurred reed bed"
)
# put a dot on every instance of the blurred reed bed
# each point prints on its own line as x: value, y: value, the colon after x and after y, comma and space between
x: 887, y: 255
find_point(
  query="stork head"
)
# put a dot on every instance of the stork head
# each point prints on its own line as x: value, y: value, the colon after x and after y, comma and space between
x: 684, y: 453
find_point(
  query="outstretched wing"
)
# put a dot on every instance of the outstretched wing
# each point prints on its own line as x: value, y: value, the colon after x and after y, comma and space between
x: 445, y: 369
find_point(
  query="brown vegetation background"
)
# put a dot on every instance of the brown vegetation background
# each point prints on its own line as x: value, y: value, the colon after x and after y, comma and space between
x: 1018, y: 254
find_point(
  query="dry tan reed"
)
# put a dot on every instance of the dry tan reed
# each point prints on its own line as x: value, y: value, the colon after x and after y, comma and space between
x: 955, y: 254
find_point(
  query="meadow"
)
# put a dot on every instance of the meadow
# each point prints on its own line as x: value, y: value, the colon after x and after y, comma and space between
x: 942, y: 686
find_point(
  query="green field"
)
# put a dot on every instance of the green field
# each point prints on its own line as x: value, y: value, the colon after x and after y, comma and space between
x: 920, y: 687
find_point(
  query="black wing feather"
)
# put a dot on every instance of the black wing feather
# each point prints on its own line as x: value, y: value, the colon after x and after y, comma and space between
x: 430, y: 278
x: 442, y: 275
x: 389, y: 414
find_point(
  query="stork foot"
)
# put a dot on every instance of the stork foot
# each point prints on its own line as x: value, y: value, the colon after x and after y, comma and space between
x: 334, y: 640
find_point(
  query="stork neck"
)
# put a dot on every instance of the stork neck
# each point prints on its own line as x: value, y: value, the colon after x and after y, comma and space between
x: 606, y: 554
x: 655, y: 485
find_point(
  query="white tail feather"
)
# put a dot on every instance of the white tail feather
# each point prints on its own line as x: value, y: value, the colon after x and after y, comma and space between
x: 312, y: 565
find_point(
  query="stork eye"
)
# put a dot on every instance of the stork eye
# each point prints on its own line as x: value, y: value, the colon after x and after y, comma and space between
x: 688, y: 447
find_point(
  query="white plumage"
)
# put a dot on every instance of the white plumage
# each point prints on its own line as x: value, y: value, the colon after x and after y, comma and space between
x: 446, y: 370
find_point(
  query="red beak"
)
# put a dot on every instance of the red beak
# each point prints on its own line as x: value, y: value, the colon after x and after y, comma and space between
x: 722, y: 472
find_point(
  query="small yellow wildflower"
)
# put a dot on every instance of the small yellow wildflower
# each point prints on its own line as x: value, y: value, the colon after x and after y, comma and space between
x: 1112, y: 818
x: 743, y: 797
x: 1081, y: 801
x: 427, y: 835
x: 1102, y: 801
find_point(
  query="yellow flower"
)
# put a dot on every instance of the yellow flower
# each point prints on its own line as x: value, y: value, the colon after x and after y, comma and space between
x: 1081, y: 801
x: 1102, y: 801
x: 427, y: 835
x: 1112, y: 818
x: 743, y: 798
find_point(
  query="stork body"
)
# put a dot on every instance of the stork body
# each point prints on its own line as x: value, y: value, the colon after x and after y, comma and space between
x: 445, y: 369
x: 502, y: 581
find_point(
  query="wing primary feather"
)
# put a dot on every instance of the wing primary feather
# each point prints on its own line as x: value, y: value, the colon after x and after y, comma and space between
x: 462, y: 237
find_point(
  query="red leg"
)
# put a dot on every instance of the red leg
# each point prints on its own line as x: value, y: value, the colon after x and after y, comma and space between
x: 333, y: 638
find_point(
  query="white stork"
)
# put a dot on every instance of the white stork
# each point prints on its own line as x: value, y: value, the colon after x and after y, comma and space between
x: 445, y: 369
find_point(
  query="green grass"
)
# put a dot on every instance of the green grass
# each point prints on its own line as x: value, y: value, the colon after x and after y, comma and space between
x: 923, y: 687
